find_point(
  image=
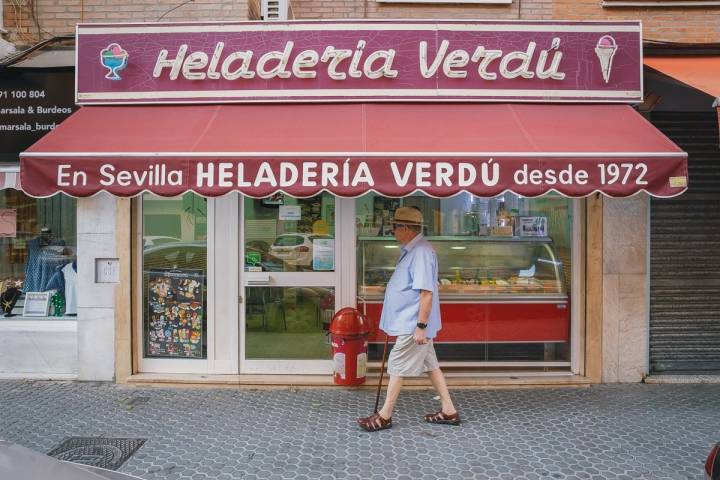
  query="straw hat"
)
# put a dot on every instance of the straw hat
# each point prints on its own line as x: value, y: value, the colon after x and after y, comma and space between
x: 408, y: 216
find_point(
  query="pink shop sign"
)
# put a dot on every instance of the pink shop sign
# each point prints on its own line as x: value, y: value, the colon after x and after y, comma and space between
x: 341, y: 61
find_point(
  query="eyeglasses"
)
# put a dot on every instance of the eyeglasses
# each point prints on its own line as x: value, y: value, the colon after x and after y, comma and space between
x: 395, y: 226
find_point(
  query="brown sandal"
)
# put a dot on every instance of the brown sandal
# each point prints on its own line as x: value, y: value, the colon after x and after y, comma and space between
x: 443, y: 418
x: 374, y: 422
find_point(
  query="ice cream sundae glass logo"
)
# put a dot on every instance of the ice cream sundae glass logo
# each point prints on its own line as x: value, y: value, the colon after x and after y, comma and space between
x: 114, y: 58
x: 605, y: 50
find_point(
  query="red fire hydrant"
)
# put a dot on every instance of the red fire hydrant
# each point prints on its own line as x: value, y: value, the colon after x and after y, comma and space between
x: 349, y: 331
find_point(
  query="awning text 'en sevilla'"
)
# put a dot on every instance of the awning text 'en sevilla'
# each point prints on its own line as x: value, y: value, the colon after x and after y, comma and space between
x: 349, y: 150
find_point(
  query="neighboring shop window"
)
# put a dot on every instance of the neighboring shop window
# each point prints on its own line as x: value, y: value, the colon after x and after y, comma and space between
x: 504, y: 271
x: 174, y: 276
x: 38, y: 268
x: 286, y: 234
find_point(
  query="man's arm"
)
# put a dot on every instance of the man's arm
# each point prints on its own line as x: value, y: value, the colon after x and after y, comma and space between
x: 423, y: 315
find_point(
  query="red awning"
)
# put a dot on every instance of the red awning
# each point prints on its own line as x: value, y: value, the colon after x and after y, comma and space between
x: 701, y: 72
x: 349, y: 149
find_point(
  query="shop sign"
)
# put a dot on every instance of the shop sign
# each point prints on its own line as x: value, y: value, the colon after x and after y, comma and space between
x: 32, y: 103
x: 346, y: 176
x: 37, y: 304
x: 359, y: 61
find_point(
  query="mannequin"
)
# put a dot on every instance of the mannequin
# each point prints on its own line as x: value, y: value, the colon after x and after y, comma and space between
x: 46, y: 236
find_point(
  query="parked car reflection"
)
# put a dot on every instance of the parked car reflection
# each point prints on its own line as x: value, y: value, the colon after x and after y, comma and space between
x: 155, y: 240
x: 176, y: 255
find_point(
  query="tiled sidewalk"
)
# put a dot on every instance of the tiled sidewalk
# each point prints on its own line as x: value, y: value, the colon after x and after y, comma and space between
x: 630, y: 432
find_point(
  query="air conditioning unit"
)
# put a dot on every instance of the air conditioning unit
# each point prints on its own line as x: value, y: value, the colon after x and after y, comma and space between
x: 275, y: 10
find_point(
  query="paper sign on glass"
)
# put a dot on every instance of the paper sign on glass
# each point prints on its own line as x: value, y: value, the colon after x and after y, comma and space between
x: 8, y: 222
x: 290, y: 212
x: 324, y: 254
x: 533, y: 226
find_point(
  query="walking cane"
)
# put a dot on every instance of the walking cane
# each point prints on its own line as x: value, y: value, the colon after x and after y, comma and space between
x: 382, y: 371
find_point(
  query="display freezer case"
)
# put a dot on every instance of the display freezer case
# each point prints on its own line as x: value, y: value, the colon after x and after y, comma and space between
x: 492, y: 289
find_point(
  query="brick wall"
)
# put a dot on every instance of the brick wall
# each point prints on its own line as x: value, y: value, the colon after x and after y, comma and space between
x: 690, y: 24
x: 669, y: 24
x: 326, y: 9
x: 59, y: 17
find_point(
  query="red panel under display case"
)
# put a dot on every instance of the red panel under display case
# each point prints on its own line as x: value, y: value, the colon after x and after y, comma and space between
x: 492, y: 322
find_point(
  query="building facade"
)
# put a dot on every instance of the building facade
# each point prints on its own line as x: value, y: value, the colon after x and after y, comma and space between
x: 604, y: 244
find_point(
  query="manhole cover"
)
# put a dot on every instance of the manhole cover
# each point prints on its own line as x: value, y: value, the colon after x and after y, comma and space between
x: 101, y: 452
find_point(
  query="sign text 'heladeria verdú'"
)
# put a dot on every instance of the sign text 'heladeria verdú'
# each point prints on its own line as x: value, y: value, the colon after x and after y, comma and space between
x: 341, y: 64
x: 353, y: 61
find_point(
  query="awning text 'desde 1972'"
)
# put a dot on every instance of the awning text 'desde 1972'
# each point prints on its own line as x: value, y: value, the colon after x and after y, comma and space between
x: 350, y: 149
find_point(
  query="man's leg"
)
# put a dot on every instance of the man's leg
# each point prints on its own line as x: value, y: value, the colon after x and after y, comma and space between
x: 391, y: 396
x: 438, y: 380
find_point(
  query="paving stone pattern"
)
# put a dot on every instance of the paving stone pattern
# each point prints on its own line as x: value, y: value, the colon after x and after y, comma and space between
x: 624, y: 432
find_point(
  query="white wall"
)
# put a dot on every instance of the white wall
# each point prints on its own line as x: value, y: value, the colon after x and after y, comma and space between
x: 96, y: 301
x: 39, y: 349
x: 625, y: 289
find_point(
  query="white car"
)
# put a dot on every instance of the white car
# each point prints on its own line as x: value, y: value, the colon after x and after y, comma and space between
x: 153, y: 241
x: 294, y: 248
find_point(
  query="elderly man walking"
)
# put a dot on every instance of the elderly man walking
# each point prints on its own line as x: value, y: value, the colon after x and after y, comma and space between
x: 411, y: 312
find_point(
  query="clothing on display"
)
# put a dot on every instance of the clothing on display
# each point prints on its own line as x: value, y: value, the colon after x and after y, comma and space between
x: 56, y: 282
x: 64, y: 281
x: 70, y: 274
x: 40, y: 240
x: 45, y: 254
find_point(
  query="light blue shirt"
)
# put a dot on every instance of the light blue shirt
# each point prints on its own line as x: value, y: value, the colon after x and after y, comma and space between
x: 417, y: 269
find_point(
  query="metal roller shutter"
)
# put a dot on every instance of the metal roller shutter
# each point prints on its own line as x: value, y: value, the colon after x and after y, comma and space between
x: 685, y: 254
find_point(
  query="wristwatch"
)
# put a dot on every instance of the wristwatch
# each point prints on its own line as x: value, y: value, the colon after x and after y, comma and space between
x: 422, y: 326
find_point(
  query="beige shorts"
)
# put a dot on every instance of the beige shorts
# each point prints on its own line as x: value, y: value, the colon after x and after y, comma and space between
x: 408, y: 359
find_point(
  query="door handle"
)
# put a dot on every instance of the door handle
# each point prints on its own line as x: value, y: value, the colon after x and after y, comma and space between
x: 257, y: 279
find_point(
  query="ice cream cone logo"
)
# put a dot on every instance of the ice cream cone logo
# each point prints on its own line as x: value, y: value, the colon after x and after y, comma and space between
x: 605, y: 50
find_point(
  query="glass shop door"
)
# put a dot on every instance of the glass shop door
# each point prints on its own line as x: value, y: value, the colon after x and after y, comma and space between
x: 289, y: 281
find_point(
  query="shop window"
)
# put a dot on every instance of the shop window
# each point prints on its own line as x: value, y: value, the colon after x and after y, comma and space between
x: 38, y: 268
x: 288, y: 323
x: 174, y: 276
x: 286, y: 234
x: 504, y: 272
